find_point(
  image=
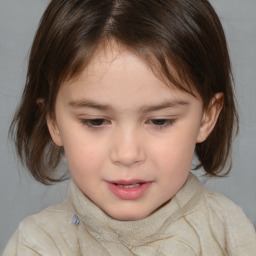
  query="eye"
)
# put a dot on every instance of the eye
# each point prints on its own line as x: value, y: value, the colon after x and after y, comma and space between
x: 95, y: 123
x: 161, y: 122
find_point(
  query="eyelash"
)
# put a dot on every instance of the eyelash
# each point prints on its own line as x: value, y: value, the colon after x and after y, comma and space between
x: 89, y: 123
x: 161, y: 123
x: 98, y: 123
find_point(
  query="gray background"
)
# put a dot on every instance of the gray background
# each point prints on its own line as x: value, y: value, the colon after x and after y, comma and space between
x: 21, y: 196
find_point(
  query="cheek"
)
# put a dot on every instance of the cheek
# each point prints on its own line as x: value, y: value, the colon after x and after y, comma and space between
x: 176, y: 151
x: 82, y: 155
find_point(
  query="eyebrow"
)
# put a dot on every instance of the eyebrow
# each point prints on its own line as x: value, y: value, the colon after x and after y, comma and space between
x: 163, y: 105
x: 89, y: 104
x: 144, y: 108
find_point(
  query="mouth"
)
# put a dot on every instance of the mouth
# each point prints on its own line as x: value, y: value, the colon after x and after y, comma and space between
x: 129, y: 190
x: 129, y: 186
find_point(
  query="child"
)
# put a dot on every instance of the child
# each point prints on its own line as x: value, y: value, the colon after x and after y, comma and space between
x: 128, y: 91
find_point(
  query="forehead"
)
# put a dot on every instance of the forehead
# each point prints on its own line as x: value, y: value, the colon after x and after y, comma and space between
x: 117, y: 76
x: 112, y: 57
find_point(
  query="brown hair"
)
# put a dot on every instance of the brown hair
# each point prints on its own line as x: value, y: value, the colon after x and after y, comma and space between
x: 187, y: 34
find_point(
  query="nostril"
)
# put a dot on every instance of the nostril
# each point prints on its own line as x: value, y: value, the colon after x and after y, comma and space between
x: 127, y: 163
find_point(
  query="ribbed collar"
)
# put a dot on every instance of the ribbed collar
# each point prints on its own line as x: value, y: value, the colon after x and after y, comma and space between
x: 133, y: 233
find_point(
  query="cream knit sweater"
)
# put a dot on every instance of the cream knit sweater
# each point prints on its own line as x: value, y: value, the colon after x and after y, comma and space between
x: 195, y: 222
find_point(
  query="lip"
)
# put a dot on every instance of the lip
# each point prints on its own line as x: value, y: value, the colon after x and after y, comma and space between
x: 128, y: 193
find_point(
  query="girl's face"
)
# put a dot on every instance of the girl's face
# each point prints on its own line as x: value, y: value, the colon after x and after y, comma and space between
x: 128, y: 138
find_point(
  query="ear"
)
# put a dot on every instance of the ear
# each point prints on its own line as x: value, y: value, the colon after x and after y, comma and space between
x: 54, y: 131
x: 210, y: 117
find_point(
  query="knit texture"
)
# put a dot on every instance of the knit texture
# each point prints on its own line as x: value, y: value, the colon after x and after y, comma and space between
x: 195, y: 221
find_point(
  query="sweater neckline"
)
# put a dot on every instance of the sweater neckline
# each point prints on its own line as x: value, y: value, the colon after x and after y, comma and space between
x: 103, y: 227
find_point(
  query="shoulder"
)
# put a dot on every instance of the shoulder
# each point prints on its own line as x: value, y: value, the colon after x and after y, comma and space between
x: 48, y: 220
x: 224, y: 208
x: 217, y: 202
x: 238, y: 230
x: 50, y: 224
x: 50, y: 214
x: 50, y: 232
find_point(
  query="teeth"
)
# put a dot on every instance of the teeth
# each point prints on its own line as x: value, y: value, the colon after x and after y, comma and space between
x: 128, y: 186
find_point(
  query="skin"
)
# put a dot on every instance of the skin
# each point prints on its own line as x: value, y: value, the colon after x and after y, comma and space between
x: 118, y: 121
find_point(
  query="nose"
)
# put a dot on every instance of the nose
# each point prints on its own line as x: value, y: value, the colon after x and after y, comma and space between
x: 127, y: 148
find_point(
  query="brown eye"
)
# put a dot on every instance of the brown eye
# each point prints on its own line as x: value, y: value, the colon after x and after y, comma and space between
x: 94, y: 123
x: 161, y: 122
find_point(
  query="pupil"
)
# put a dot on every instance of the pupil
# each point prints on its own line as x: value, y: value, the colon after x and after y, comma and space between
x: 159, y: 121
x: 97, y: 122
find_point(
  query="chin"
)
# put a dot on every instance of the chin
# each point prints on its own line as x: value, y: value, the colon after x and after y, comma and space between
x: 127, y: 216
